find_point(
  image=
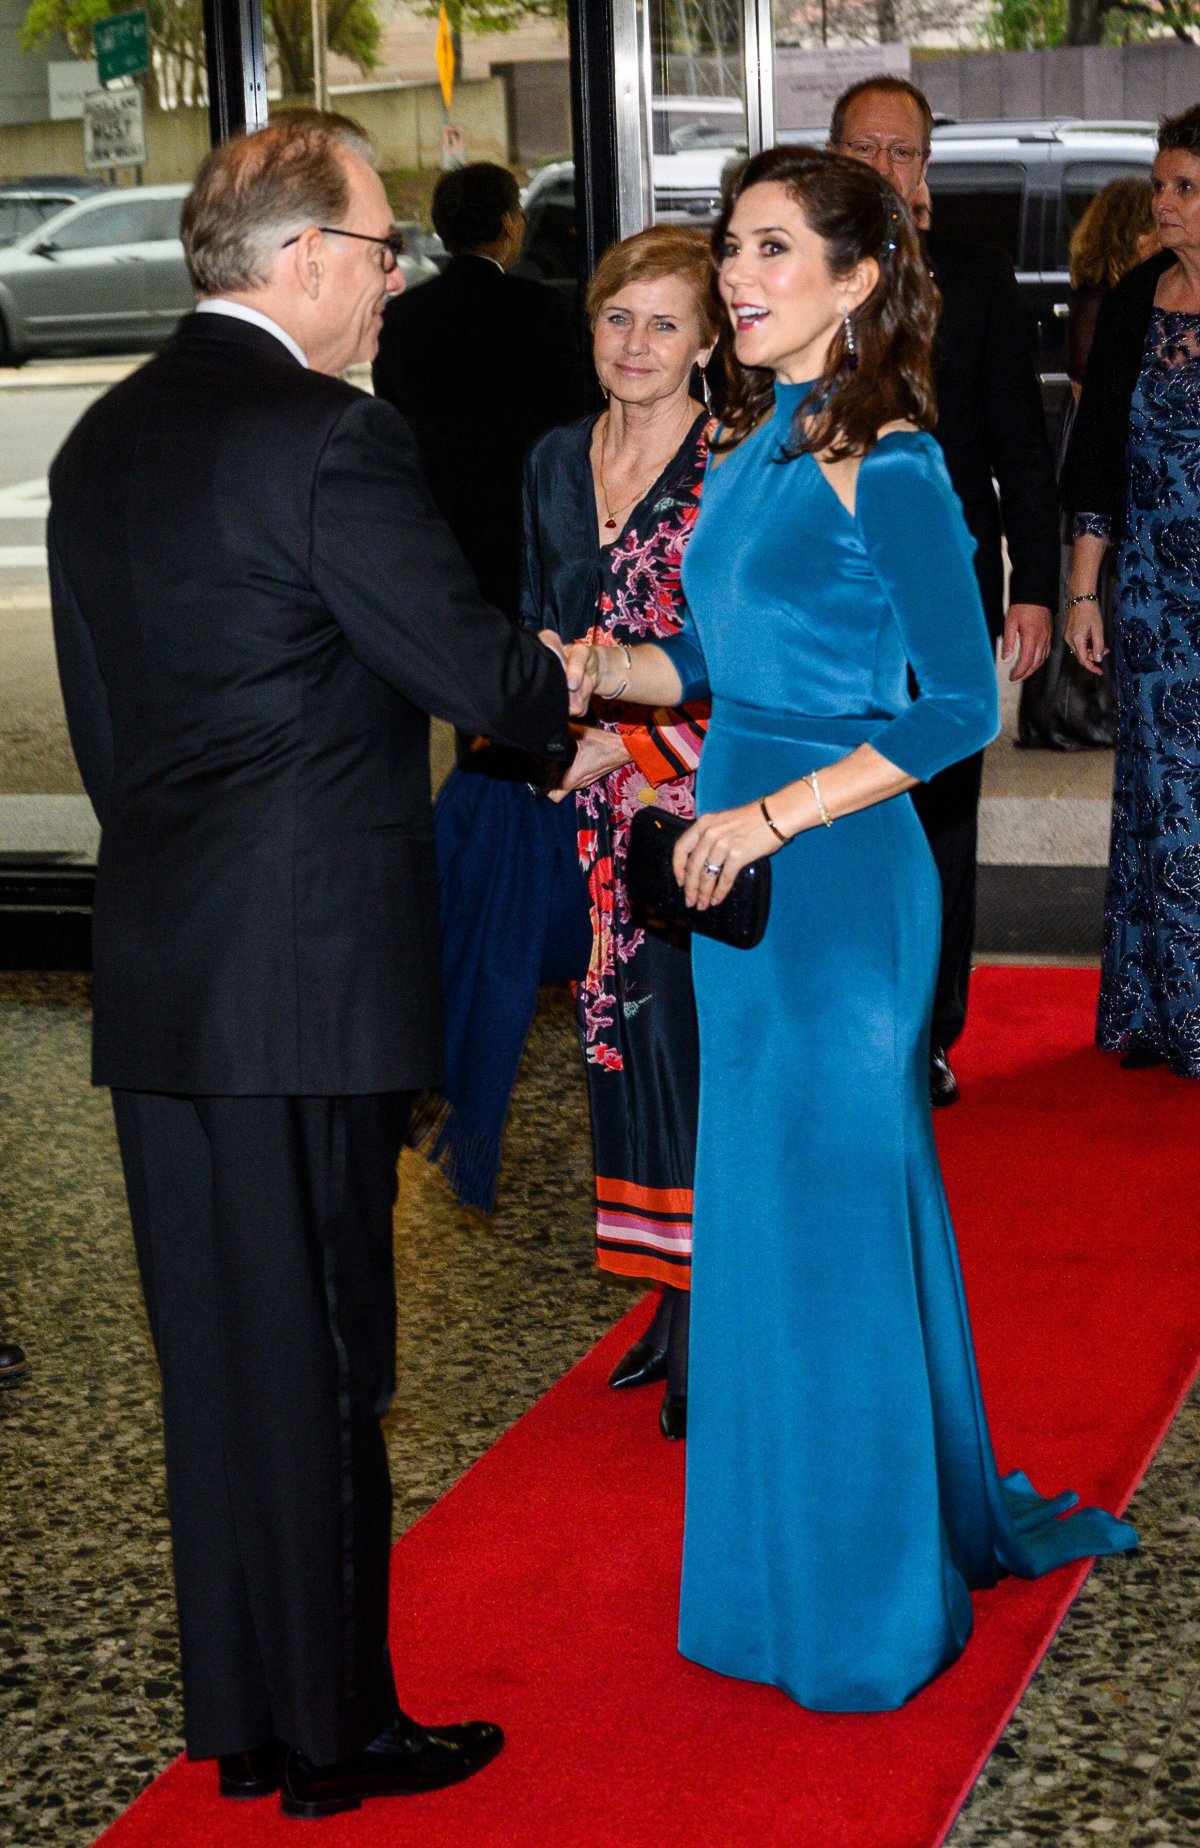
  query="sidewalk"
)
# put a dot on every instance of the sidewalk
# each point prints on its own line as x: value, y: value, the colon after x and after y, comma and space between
x: 71, y: 374
x: 61, y: 374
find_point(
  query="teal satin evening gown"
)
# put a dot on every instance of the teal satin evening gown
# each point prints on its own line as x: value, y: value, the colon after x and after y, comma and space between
x: 842, y: 1495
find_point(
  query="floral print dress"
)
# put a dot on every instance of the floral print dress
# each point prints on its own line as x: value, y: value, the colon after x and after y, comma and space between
x: 637, y: 1015
x: 1150, y: 968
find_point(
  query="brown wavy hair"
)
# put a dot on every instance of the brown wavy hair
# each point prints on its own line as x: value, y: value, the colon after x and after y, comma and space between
x: 857, y: 214
x: 1104, y: 244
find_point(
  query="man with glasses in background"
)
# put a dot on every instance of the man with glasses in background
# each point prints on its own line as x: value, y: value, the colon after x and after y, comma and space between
x: 256, y: 605
x: 992, y: 432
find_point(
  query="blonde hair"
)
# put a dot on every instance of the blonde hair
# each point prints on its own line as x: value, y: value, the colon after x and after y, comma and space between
x: 1104, y: 244
x: 663, y: 250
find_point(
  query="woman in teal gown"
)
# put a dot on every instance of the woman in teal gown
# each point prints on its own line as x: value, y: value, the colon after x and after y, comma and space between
x: 842, y: 1495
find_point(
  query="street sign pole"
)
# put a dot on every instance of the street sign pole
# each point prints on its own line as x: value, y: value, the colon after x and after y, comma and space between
x: 320, y: 38
x: 454, y: 146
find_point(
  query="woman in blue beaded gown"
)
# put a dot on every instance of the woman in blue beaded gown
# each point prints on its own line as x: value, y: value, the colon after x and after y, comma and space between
x: 842, y: 1496
x: 1133, y: 478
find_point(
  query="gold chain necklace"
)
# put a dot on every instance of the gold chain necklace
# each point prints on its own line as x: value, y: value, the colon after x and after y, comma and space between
x: 610, y: 524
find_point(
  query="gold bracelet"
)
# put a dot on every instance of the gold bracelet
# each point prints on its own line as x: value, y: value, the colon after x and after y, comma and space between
x: 624, y: 647
x: 766, y: 815
x: 811, y: 780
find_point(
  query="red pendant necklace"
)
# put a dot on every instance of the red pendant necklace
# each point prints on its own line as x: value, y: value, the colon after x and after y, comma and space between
x: 610, y: 524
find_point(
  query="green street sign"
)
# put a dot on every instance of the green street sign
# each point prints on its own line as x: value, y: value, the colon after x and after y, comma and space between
x: 122, y: 45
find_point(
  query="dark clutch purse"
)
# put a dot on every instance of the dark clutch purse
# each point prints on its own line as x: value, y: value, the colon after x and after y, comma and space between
x: 739, y: 920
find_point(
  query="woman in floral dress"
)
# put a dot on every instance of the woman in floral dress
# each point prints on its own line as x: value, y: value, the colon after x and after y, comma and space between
x: 609, y: 506
x: 1133, y: 478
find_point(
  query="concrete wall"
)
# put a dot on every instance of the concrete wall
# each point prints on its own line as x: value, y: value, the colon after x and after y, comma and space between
x: 1097, y: 82
x: 539, y: 110
x: 406, y: 122
x: 176, y: 141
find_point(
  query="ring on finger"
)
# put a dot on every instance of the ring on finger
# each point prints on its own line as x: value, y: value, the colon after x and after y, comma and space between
x: 714, y: 870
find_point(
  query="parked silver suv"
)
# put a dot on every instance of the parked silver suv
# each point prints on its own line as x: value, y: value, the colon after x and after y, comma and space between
x: 1025, y: 186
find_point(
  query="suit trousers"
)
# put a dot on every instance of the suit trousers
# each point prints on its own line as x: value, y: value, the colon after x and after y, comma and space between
x: 948, y: 806
x: 263, y: 1228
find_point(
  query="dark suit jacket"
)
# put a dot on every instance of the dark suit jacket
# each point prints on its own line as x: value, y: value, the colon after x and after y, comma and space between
x: 1096, y: 471
x: 481, y: 364
x: 991, y: 423
x: 255, y: 606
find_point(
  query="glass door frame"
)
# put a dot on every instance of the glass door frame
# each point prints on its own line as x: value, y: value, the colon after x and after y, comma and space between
x: 611, y: 71
x: 630, y: 99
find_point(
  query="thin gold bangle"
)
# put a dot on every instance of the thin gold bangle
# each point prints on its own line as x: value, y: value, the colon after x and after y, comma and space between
x: 766, y: 815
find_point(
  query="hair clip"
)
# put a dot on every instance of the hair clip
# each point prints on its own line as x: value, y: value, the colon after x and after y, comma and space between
x: 892, y: 235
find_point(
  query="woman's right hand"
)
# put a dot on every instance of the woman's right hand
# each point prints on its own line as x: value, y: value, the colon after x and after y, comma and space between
x: 593, y: 671
x: 1085, y: 636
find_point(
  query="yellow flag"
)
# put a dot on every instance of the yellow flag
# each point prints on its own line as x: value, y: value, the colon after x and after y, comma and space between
x: 445, y: 57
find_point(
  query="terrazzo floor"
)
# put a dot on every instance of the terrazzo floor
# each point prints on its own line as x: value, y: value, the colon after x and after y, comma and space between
x: 1102, y: 1749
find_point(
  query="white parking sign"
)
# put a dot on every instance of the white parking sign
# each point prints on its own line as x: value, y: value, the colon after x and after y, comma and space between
x: 454, y: 145
x: 114, y: 133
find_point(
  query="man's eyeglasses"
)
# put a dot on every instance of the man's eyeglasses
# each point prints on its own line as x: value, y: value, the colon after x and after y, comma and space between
x: 391, y: 247
x: 897, y: 153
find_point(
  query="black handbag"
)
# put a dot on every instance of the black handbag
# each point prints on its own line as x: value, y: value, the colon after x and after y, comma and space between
x: 1062, y: 706
x: 741, y: 917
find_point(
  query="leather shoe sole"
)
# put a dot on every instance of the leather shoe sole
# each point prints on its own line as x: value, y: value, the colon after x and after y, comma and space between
x: 672, y: 1420
x: 641, y: 1366
x: 257, y: 1773
x: 13, y: 1364
x: 428, y: 1758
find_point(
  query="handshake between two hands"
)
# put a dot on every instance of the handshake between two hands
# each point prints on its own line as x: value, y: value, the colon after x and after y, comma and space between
x: 709, y: 855
x: 582, y: 664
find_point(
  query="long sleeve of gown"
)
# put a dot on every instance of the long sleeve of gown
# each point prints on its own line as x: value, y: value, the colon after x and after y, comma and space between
x: 686, y: 656
x: 917, y: 541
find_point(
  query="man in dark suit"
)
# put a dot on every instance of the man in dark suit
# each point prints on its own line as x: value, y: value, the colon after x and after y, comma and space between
x: 481, y: 363
x: 256, y: 605
x: 990, y: 425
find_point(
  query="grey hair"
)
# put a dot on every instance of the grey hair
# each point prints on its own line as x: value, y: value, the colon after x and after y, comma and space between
x: 254, y: 192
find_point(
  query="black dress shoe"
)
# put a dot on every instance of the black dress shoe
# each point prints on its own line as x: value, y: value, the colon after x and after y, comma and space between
x: 943, y: 1085
x: 640, y: 1367
x: 1141, y: 1057
x: 13, y: 1364
x: 256, y: 1773
x: 672, y: 1420
x: 402, y: 1762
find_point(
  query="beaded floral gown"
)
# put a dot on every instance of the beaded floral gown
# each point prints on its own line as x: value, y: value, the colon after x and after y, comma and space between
x: 1150, y: 969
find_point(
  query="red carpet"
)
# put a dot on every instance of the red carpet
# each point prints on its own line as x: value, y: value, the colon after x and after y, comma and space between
x: 541, y: 1590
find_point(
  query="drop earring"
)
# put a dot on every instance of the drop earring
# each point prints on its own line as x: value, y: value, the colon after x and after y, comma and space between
x: 704, y: 391
x: 851, y: 343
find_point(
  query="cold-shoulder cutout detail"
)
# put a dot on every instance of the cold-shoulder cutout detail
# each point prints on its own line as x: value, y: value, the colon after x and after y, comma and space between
x: 842, y: 476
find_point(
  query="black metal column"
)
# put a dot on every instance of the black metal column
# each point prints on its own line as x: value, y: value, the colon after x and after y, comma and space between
x: 237, y: 72
x: 593, y: 123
